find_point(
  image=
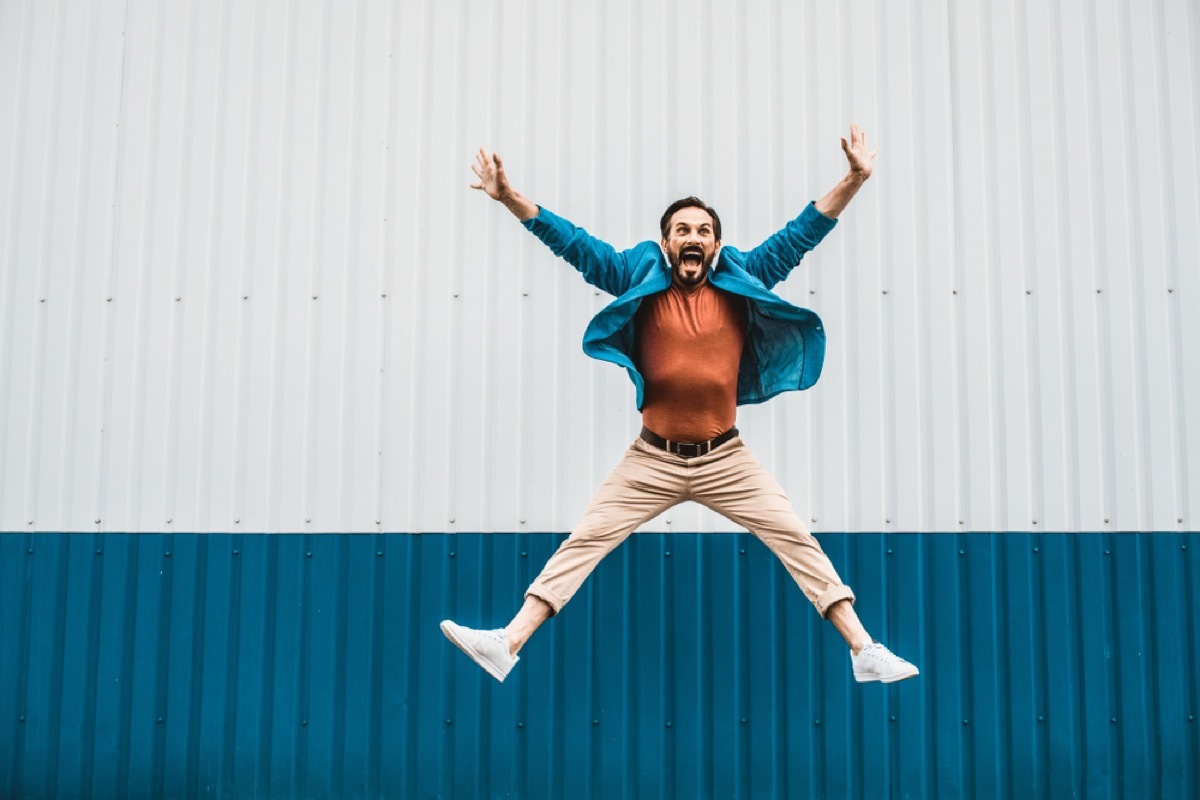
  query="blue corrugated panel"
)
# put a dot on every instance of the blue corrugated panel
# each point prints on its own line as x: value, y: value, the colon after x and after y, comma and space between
x: 1053, y: 665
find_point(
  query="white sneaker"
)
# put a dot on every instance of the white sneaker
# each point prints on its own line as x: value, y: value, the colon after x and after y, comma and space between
x: 876, y: 663
x: 488, y: 649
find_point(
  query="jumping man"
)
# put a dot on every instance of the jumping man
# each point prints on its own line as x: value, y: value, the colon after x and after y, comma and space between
x: 699, y: 332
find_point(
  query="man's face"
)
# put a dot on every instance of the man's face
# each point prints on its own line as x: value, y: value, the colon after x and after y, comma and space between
x: 691, y: 245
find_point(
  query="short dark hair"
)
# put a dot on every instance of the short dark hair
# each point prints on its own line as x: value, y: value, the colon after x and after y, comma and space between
x: 689, y: 202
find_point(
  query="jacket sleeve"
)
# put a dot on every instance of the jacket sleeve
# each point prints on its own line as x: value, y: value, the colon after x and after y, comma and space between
x: 772, y: 260
x: 597, y: 261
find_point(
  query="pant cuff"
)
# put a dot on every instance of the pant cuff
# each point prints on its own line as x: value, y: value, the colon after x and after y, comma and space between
x: 543, y: 593
x: 834, y: 594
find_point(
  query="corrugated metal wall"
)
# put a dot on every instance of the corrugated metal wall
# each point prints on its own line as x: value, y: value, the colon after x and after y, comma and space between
x: 244, y: 284
x: 312, y: 666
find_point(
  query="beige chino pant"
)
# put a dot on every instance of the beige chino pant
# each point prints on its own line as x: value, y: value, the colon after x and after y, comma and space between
x: 729, y: 480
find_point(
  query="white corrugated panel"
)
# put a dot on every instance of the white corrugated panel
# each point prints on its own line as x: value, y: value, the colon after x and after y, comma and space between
x: 244, y: 284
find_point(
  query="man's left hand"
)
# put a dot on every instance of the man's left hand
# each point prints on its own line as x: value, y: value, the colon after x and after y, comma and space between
x: 857, y: 154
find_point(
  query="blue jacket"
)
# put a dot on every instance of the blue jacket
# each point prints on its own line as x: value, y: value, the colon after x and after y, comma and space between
x: 785, y: 344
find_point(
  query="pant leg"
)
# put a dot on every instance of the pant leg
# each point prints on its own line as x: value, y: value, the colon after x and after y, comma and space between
x: 642, y: 486
x: 731, y: 482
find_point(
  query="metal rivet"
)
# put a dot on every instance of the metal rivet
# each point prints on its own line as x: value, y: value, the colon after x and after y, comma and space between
x: 595, y: 722
x: 1170, y: 291
x: 308, y: 519
x: 379, y: 553
x: 304, y: 723
x: 245, y: 297
x: 167, y: 554
x: 177, y: 298
x: 966, y: 722
x: 888, y: 520
x: 1041, y: 718
x: 108, y: 299
x: 523, y: 554
x: 452, y: 519
x: 30, y: 551
x: 168, y: 520
x: 315, y: 297
x: 521, y: 521
x: 236, y: 551
x: 448, y: 722
x: 452, y: 554
x: 30, y: 522
x: 1107, y: 552
x: 814, y: 519
x: 816, y: 722
x: 893, y: 717
x: 1035, y: 522
x: 885, y: 291
x: 1035, y: 549
x: 520, y: 724
x: 742, y: 551
x: 954, y: 291
x: 962, y: 552
x: 97, y: 521
x: 1027, y: 291
x: 962, y: 522
x: 812, y: 291
x: 383, y: 295
x: 99, y: 552
x: 1190, y: 717
x: 21, y: 718
x: 378, y: 522
x: 160, y: 720
x: 1113, y: 720
x: 668, y: 724
x: 236, y: 520
x: 308, y: 554
x: 1106, y: 520
x: 668, y: 554
x: 1179, y: 519
x: 889, y: 551
x: 743, y: 720
x: 1098, y: 291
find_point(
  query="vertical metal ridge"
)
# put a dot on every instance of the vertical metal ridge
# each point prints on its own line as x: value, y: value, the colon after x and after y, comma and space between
x: 1100, y: 328
x: 886, y: 299
x: 384, y: 454
x: 12, y: 233
x: 310, y: 440
x: 244, y: 329
x: 993, y: 335
x: 139, y: 332
x: 420, y: 253
x: 168, y: 477
x: 962, y: 475
x: 67, y: 496
x: 345, y: 518
x: 45, y: 226
x: 1035, y: 450
x: 1139, y: 424
x: 202, y: 495
x: 1067, y: 292
x: 167, y: 489
x: 279, y: 283
x: 926, y: 518
x: 1178, y: 433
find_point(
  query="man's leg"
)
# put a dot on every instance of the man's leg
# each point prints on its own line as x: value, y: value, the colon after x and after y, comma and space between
x: 643, y: 485
x: 734, y: 484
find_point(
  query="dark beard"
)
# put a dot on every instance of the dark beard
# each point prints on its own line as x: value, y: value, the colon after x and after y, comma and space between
x: 677, y: 272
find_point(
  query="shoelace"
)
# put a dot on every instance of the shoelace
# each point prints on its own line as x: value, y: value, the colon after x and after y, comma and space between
x: 880, y: 653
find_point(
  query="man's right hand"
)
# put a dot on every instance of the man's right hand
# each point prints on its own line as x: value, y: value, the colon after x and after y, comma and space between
x: 494, y: 183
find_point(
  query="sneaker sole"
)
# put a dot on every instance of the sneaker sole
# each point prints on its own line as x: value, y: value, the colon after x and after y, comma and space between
x: 451, y: 632
x: 872, y: 677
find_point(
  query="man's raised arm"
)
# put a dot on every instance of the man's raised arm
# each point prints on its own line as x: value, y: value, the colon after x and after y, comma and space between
x: 493, y: 182
x: 860, y: 160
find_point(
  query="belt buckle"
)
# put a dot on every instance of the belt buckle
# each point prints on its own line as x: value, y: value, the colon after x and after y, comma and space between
x: 690, y: 449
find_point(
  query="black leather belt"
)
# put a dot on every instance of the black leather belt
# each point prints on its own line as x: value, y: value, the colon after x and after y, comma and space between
x: 687, y: 449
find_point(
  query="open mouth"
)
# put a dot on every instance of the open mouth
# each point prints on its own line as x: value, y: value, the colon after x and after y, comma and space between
x: 691, y: 256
